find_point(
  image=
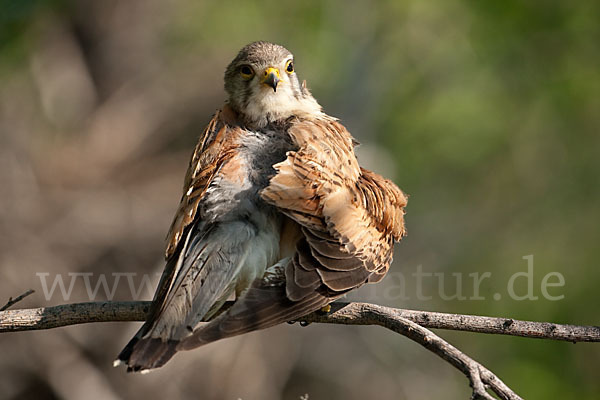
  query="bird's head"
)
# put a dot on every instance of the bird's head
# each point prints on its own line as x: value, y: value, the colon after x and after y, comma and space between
x: 263, y: 87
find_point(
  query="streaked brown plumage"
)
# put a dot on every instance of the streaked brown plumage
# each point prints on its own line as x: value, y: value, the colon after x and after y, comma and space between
x: 276, y: 211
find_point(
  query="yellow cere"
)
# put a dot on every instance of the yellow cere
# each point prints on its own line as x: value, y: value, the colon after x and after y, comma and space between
x: 272, y: 70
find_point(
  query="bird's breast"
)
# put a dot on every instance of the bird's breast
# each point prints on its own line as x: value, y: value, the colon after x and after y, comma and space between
x: 233, y: 198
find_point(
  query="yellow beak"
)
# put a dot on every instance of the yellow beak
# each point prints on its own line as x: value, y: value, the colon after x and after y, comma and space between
x: 271, y: 78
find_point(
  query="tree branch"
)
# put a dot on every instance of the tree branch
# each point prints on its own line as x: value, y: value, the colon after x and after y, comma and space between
x: 409, y: 323
x: 370, y: 314
x: 342, y: 313
x: 355, y: 313
x: 31, y: 319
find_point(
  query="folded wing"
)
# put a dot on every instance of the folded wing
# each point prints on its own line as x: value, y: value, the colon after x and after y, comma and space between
x: 349, y: 218
x: 201, y: 258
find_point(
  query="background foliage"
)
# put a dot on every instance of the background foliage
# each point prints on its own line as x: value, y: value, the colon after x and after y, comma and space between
x: 486, y: 113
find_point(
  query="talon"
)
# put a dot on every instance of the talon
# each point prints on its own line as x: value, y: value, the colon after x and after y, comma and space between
x: 326, y: 309
x: 304, y: 323
x: 292, y: 322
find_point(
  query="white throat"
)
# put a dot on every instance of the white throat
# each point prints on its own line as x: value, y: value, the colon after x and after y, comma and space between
x: 266, y: 106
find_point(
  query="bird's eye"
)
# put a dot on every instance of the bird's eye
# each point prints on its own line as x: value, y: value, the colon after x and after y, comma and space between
x: 289, y: 67
x: 246, y: 72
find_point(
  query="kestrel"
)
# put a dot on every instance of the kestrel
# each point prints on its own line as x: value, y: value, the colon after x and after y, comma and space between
x: 276, y: 213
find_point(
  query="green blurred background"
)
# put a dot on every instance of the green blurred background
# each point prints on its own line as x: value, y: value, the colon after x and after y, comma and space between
x: 485, y: 113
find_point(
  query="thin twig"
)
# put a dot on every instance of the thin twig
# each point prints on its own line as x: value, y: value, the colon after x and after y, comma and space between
x: 12, y: 301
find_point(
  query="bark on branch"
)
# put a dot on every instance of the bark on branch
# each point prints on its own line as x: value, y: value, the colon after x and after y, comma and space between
x: 409, y: 323
x: 342, y: 313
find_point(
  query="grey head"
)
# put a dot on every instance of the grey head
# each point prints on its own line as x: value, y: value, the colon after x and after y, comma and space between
x: 263, y: 87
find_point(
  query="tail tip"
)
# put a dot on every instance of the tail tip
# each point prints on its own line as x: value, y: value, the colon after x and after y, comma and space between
x: 146, y: 354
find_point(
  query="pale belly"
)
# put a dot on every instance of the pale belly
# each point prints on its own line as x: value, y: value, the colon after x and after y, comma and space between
x: 262, y: 252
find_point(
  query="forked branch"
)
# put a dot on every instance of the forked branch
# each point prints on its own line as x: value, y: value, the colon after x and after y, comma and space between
x: 409, y: 323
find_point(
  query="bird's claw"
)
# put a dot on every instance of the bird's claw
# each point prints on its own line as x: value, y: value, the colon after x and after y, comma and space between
x: 325, y: 309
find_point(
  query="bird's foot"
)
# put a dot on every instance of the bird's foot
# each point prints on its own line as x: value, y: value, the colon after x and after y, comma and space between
x: 325, y: 309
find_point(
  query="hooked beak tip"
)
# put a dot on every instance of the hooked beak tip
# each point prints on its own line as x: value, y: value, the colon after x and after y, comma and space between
x: 272, y: 80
